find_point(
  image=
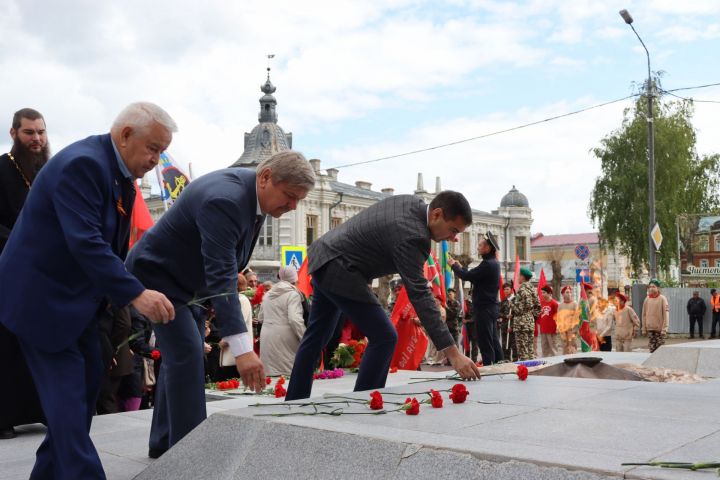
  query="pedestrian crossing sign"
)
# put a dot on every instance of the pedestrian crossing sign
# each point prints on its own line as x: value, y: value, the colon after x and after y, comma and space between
x: 293, y: 255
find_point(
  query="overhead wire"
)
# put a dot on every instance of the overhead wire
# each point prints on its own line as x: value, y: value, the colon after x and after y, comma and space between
x: 525, y: 125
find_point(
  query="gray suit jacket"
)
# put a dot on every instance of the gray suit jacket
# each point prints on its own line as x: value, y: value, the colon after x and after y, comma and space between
x: 201, y: 243
x: 390, y: 237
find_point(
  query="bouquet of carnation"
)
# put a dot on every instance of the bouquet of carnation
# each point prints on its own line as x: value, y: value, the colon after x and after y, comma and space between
x: 349, y: 355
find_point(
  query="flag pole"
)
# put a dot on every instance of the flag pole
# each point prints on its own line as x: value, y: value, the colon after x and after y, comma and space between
x: 162, y: 188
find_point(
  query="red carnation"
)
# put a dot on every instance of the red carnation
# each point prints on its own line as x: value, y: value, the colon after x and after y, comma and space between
x: 522, y: 372
x: 459, y: 393
x: 268, y: 380
x: 222, y: 385
x: 233, y: 383
x: 436, y: 399
x: 411, y: 407
x: 281, y: 380
x: 376, y: 400
x: 155, y: 354
x: 393, y: 370
x: 280, y: 391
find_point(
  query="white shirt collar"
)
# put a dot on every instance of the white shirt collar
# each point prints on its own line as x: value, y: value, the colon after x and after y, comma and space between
x: 258, y: 212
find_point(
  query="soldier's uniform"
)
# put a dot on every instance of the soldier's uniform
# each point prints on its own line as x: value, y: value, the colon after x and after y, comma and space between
x: 507, y: 336
x: 526, y: 308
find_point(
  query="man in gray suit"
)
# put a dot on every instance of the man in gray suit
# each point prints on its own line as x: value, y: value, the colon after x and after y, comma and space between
x: 392, y: 236
x: 196, y: 250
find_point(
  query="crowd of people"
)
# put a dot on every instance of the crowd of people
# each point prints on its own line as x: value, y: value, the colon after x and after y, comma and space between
x: 90, y: 326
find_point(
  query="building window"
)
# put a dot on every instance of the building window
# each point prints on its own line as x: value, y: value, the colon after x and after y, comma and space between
x: 520, y: 249
x: 717, y: 262
x: 703, y: 263
x: 335, y: 222
x: 466, y: 243
x: 703, y: 243
x: 265, y: 237
x: 310, y: 228
x: 717, y: 243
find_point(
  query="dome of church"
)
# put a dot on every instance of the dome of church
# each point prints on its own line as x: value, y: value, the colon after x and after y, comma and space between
x: 514, y: 199
x: 267, y: 138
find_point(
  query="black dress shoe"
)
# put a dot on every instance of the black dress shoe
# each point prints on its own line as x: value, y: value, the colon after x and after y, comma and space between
x: 7, y: 433
x: 156, y: 452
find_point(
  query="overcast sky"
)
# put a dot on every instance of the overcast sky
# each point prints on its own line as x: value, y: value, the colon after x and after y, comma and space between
x: 358, y: 80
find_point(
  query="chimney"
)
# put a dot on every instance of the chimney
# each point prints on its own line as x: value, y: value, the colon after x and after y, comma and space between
x: 316, y: 165
x: 363, y: 184
x: 389, y: 191
x: 332, y: 173
x: 438, y: 189
x: 420, y: 188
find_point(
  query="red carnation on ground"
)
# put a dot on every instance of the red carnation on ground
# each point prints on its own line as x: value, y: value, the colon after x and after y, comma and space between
x: 522, y: 372
x: 233, y: 383
x: 411, y: 406
x: 436, y: 399
x: 268, y: 380
x: 376, y: 400
x: 280, y: 391
x: 281, y: 380
x: 155, y: 354
x: 459, y: 393
x: 222, y: 385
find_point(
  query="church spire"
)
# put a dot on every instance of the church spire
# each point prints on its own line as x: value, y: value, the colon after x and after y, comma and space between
x: 267, y: 102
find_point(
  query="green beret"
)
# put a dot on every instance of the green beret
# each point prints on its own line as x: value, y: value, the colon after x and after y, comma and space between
x: 526, y: 272
x: 655, y: 282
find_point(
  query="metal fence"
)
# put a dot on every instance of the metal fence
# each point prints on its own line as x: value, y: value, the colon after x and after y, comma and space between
x: 677, y: 299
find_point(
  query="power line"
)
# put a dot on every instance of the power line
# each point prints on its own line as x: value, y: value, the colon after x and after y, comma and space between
x: 526, y: 125
x: 693, y: 88
x: 694, y: 100
x: 465, y: 140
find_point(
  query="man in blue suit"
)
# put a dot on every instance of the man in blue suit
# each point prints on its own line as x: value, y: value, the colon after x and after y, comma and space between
x: 63, y: 265
x: 196, y: 251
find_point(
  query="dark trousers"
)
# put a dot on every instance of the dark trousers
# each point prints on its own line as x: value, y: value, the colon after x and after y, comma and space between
x: 19, y: 404
x: 715, y: 321
x: 606, y: 346
x: 472, y: 341
x: 699, y: 320
x: 180, y: 390
x: 325, y: 311
x: 486, y: 317
x: 68, y: 384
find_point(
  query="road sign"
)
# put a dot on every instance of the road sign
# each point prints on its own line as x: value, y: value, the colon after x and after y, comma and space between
x: 656, y: 236
x: 582, y: 252
x: 293, y: 255
x: 582, y: 275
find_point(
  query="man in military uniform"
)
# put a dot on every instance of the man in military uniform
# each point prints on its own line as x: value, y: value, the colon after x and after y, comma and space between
x: 526, y: 308
x: 507, y: 337
x: 454, y: 310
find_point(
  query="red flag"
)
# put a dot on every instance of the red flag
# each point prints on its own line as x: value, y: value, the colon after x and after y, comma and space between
x: 541, y: 282
x: 502, y: 290
x: 140, y: 219
x: 588, y: 338
x: 412, y: 341
x: 516, y: 279
x: 303, y: 282
x: 437, y: 283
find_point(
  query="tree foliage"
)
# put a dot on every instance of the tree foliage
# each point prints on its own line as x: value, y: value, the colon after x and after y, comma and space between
x: 684, y: 181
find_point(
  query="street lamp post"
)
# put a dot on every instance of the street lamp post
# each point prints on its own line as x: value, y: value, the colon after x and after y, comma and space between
x: 651, y: 149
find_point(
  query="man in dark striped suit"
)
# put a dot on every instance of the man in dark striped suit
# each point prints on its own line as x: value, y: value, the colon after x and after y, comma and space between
x: 392, y: 236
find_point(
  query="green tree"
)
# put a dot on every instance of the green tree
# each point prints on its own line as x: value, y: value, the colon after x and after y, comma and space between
x: 684, y: 181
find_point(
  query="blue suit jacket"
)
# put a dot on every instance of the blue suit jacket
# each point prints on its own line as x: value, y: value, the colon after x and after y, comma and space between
x: 201, y: 243
x: 62, y: 259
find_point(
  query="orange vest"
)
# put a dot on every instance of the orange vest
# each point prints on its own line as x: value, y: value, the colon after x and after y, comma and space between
x: 715, y: 302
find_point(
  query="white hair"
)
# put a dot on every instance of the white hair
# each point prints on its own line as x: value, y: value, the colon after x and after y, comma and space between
x: 140, y: 115
x: 289, y: 166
